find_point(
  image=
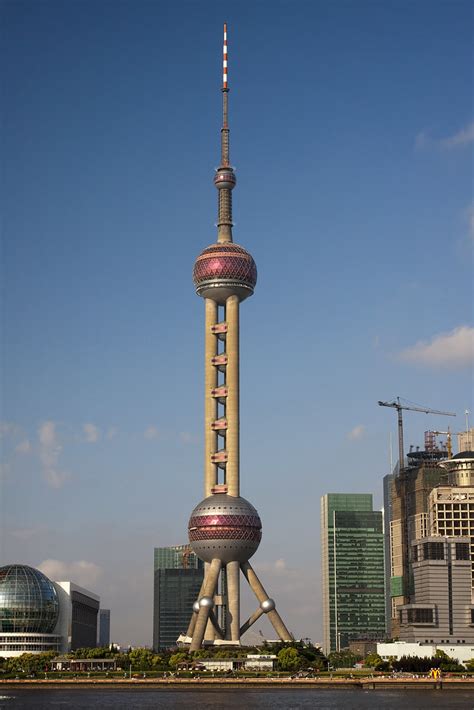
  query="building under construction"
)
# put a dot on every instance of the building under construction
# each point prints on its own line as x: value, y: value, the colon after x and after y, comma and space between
x: 408, y: 492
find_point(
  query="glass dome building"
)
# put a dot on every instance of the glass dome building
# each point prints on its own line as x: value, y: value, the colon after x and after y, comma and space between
x: 29, y: 611
x: 28, y: 601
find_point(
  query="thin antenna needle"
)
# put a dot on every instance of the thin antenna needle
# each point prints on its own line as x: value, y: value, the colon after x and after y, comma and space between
x: 224, y: 59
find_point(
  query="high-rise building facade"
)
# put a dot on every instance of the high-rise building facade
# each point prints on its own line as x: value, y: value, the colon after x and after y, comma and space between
x: 78, y: 615
x: 387, y: 520
x: 224, y: 529
x: 178, y: 576
x: 451, y: 505
x: 103, y: 639
x: 466, y: 440
x: 352, y: 566
x: 410, y: 490
x: 441, y: 610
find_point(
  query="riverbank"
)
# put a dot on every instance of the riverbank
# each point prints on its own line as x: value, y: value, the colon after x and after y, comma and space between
x: 187, y: 684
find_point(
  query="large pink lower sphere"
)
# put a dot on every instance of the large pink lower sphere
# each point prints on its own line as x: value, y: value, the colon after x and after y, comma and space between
x: 224, y: 527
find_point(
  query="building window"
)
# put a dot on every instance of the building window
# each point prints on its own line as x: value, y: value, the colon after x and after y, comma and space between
x: 415, y: 553
x: 433, y: 551
x: 462, y: 551
x: 420, y: 616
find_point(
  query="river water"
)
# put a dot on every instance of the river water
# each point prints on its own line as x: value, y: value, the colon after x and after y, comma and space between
x: 136, y: 699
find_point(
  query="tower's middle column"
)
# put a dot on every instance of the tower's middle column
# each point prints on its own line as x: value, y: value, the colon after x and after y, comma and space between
x: 210, y: 403
x: 233, y: 452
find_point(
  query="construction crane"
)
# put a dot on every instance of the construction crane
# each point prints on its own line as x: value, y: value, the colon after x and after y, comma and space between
x: 449, y: 444
x: 399, y: 407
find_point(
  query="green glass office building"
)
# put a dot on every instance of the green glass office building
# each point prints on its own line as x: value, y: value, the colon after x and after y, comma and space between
x: 352, y: 560
x: 178, y: 576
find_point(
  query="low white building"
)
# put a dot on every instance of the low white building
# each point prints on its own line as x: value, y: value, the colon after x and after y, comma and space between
x: 396, y: 649
x: 252, y: 662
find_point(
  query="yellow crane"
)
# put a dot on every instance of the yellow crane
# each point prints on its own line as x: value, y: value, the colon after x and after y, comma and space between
x: 396, y: 404
x: 449, y: 443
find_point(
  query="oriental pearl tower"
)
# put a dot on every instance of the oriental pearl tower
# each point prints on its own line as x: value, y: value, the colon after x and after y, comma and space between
x: 224, y: 529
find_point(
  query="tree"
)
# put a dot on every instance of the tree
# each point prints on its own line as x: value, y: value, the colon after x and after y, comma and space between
x: 470, y: 665
x: 289, y: 659
x: 142, y: 659
x: 178, y: 658
x: 372, y: 660
x: 343, y: 659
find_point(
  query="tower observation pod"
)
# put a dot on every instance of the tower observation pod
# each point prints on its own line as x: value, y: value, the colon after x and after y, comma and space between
x: 224, y: 529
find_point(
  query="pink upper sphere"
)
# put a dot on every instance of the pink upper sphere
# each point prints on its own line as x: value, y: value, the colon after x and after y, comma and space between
x: 225, y: 262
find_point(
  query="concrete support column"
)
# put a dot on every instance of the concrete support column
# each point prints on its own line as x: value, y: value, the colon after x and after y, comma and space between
x: 251, y: 620
x: 259, y: 591
x: 233, y: 601
x: 210, y: 403
x: 210, y: 583
x: 232, y: 406
x: 192, y: 623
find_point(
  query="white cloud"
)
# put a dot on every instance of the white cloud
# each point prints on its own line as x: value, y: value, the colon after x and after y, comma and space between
x: 24, y: 447
x: 463, y: 137
x: 422, y: 140
x: 453, y: 350
x: 91, y: 433
x: 83, y: 573
x: 26, y: 533
x: 49, y: 452
x: 357, y: 432
x: 151, y: 433
x: 8, y: 429
x: 187, y: 438
x: 276, y: 567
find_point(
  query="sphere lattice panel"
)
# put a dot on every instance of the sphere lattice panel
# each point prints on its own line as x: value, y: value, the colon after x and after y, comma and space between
x: 223, y: 270
x: 28, y: 601
x: 225, y: 527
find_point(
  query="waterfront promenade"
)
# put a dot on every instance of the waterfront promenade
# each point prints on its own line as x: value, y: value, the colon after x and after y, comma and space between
x: 193, y: 684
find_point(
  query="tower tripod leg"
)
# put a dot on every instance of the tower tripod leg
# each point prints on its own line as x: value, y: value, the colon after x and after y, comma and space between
x: 233, y: 603
x: 259, y: 591
x: 205, y: 604
x: 192, y: 622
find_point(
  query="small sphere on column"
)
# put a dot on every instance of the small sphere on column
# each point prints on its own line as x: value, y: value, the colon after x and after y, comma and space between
x: 267, y: 605
x: 225, y: 179
x: 207, y: 602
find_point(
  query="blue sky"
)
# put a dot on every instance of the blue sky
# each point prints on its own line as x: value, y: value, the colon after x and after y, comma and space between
x: 352, y: 129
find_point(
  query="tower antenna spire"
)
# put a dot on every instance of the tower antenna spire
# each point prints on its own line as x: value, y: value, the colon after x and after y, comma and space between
x: 225, y: 105
x: 224, y: 179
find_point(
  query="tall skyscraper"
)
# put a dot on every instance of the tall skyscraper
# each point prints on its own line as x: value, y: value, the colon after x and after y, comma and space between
x: 224, y: 529
x: 178, y: 576
x: 410, y: 490
x: 352, y: 566
x: 451, y: 504
x: 104, y: 628
x: 387, y: 520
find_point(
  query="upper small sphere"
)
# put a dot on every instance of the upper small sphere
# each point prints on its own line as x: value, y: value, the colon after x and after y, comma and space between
x: 223, y: 527
x: 28, y: 601
x: 225, y: 179
x: 224, y: 269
